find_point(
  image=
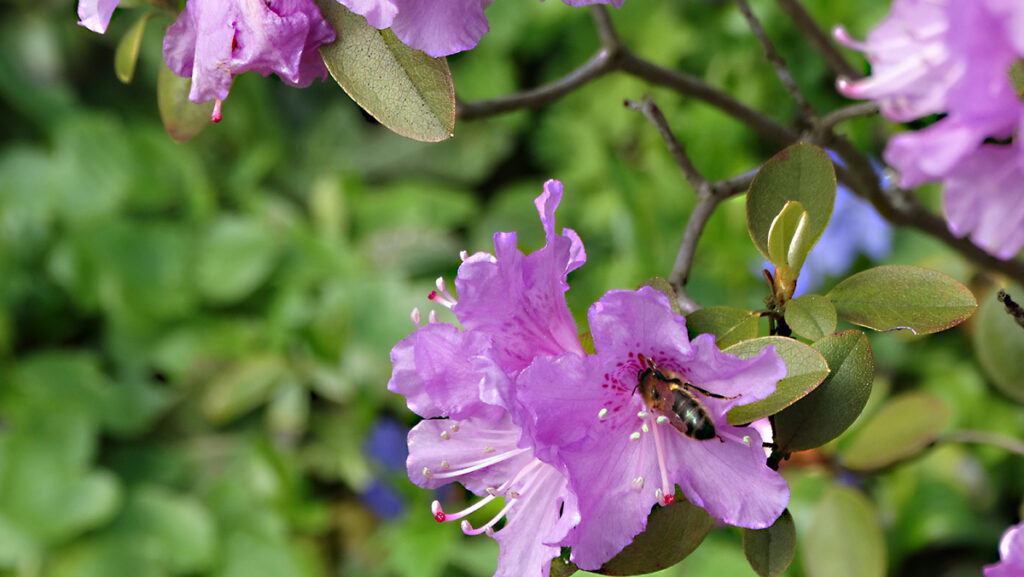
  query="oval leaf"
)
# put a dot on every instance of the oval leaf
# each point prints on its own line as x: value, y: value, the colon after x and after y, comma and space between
x: 811, y: 316
x: 182, y: 118
x: 730, y: 325
x: 903, y: 297
x: 805, y: 369
x: 803, y: 173
x: 406, y: 90
x: 831, y: 408
x: 672, y: 533
x: 904, y: 426
x: 788, y: 235
x: 844, y: 538
x: 127, y: 53
x: 999, y: 344
x: 771, y: 550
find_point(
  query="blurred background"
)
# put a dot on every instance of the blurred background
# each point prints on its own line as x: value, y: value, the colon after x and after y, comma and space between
x: 194, y: 337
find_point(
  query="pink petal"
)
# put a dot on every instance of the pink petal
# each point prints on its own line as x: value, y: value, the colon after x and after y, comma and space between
x: 95, y: 14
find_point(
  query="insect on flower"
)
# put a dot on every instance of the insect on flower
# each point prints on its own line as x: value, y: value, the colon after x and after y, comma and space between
x: 673, y: 399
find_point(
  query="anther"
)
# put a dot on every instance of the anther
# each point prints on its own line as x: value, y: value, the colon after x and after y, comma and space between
x: 661, y: 420
x: 635, y: 436
x: 513, y: 494
x: 463, y: 255
x: 445, y: 435
x: 415, y: 317
x: 432, y: 317
x: 642, y: 414
x: 602, y: 413
x: 638, y: 483
x: 488, y: 450
x: 444, y: 465
x: 427, y: 473
x: 454, y: 427
x: 645, y: 428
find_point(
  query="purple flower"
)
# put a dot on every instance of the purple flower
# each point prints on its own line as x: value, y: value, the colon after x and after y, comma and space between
x: 983, y: 199
x: 95, y: 14
x: 212, y: 41
x: 437, y: 27
x: 1011, y: 554
x: 512, y: 308
x: 626, y: 450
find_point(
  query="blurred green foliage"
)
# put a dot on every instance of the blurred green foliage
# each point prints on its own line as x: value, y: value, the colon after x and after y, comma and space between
x: 194, y: 338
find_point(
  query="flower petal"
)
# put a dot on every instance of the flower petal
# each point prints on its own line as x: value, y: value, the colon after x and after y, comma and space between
x: 748, y: 380
x: 95, y: 14
x: 624, y: 323
x: 542, y: 515
x: 983, y: 199
x: 378, y: 13
x: 440, y: 27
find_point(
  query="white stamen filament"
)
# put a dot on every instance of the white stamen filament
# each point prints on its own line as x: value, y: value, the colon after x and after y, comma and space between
x: 665, y: 489
x: 469, y: 530
x: 477, y: 465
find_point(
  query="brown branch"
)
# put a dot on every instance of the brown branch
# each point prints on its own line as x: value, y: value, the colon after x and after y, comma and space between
x: 777, y: 62
x: 650, y: 110
x: 838, y: 116
x: 823, y: 44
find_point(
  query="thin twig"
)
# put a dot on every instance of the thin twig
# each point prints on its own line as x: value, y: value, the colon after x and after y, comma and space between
x: 823, y: 44
x: 694, y: 87
x: 1005, y: 442
x: 598, y: 65
x: 781, y: 69
x: 605, y: 29
x: 699, y: 217
x: 838, y: 116
x: 650, y: 110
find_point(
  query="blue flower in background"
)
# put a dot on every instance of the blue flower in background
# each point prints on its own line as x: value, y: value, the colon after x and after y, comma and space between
x: 385, y: 446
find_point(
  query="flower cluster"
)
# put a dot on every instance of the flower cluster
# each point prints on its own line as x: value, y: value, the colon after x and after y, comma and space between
x: 579, y: 446
x: 955, y: 58
x: 212, y: 41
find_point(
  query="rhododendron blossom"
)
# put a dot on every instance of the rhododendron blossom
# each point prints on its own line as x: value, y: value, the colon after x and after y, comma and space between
x: 437, y: 27
x: 1011, y: 554
x: 950, y: 57
x: 212, y: 41
x: 512, y: 308
x: 95, y: 14
x: 622, y: 455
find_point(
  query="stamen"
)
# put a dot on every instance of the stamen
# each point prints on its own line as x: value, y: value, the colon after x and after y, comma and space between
x: 665, y: 490
x: 488, y: 450
x: 843, y: 37
x: 445, y: 435
x: 215, y: 116
x: 463, y: 255
x: 432, y: 317
x: 638, y: 483
x: 454, y: 427
x: 444, y: 465
x: 441, y: 295
x: 415, y: 317
x: 602, y: 413
x: 469, y: 530
x: 635, y: 436
x: 642, y: 414
x: 441, y: 516
x: 661, y: 420
x: 645, y: 428
x: 475, y: 465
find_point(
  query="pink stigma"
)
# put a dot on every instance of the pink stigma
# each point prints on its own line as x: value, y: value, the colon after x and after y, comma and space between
x: 440, y: 517
x: 216, y: 116
x: 669, y: 499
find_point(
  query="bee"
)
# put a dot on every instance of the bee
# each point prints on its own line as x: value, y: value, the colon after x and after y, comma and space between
x: 676, y: 400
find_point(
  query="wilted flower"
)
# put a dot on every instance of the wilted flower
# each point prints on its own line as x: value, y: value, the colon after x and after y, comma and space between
x: 626, y: 439
x: 512, y: 308
x: 1011, y: 554
x: 437, y: 27
x: 212, y: 41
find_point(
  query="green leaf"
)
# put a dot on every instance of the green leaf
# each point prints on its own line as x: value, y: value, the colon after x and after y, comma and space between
x: 811, y: 316
x: 903, y: 427
x: 801, y: 173
x: 406, y: 90
x: 562, y: 568
x: 235, y: 257
x: 771, y: 550
x: 182, y: 118
x: 999, y: 344
x: 242, y: 387
x: 831, y: 408
x: 127, y: 53
x: 844, y: 538
x: 729, y: 325
x: 176, y: 528
x: 672, y: 533
x: 903, y: 297
x: 787, y: 237
x: 805, y: 370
